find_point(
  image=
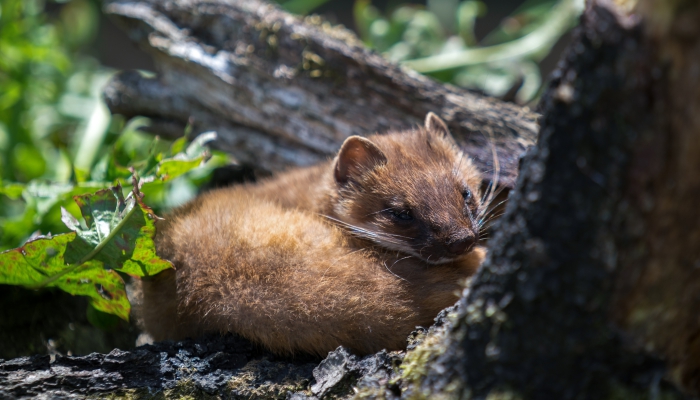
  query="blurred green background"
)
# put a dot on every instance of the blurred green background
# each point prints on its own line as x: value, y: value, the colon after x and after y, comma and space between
x: 58, y: 139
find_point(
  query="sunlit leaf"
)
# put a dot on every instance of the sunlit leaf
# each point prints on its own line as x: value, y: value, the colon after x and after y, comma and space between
x: 122, y: 228
x: 116, y: 234
x: 178, y: 145
x: 195, y: 154
x: 12, y: 190
x: 42, y: 258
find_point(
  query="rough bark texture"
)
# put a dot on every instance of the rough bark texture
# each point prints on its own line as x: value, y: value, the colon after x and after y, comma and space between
x: 657, y: 298
x: 598, y: 230
x: 208, y: 367
x: 283, y: 91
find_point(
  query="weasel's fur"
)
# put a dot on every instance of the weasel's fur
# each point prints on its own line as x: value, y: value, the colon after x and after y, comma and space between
x: 354, y: 252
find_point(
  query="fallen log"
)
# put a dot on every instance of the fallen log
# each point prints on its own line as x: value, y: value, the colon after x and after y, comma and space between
x: 283, y: 91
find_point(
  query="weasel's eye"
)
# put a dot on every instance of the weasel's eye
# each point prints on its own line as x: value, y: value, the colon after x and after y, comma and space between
x: 467, y: 194
x: 402, y: 215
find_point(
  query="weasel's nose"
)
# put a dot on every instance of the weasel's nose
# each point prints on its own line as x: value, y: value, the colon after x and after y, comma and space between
x: 461, y: 246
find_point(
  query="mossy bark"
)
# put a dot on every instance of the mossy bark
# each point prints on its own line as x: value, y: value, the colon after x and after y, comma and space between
x: 590, y: 290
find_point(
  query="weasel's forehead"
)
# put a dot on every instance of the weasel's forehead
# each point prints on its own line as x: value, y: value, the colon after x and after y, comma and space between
x: 420, y: 185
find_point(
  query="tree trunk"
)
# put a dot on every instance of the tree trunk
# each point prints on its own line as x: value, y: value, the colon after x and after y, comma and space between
x: 285, y: 91
x: 592, y: 281
x: 591, y: 288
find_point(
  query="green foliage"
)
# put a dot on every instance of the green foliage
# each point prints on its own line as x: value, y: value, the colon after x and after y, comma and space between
x: 57, y: 139
x: 439, y: 40
x: 117, y: 237
x: 48, y: 97
x: 58, y: 144
x: 119, y: 230
x: 116, y: 234
x: 45, y: 88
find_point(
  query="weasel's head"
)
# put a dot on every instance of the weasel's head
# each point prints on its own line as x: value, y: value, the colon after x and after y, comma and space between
x: 412, y: 191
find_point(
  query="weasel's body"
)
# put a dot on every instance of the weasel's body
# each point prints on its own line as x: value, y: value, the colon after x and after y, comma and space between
x: 355, y: 252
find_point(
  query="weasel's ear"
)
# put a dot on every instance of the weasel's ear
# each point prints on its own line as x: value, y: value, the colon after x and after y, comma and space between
x: 436, y: 125
x: 356, y: 156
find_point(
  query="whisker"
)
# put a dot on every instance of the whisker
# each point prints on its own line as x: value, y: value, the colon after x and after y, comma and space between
x: 496, y: 194
x: 490, y: 192
x: 490, y: 210
x: 391, y: 272
x: 490, y: 219
x: 490, y: 223
x: 376, y: 237
x: 400, y: 259
x: 498, y: 190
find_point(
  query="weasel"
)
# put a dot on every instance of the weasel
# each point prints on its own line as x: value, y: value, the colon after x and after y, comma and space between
x: 357, y: 251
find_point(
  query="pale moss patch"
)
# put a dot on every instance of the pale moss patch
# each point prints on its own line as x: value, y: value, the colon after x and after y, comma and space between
x: 371, y: 393
x: 338, y: 32
x: 415, y: 361
x: 415, y: 365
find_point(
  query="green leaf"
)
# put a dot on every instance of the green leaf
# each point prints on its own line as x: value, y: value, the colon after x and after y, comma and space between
x: 12, y: 190
x: 172, y: 168
x: 119, y: 229
x: 43, y: 257
x: 194, y: 156
x: 178, y: 146
x: 116, y: 235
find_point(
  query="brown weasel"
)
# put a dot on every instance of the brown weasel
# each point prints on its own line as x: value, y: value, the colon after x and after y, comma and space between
x: 355, y: 252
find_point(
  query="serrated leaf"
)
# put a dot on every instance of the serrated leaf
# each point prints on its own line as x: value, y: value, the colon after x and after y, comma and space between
x: 104, y: 287
x: 122, y: 229
x: 117, y: 235
x: 42, y: 258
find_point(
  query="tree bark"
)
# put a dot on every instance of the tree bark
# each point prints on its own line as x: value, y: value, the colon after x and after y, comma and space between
x: 591, y: 285
x: 284, y: 91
